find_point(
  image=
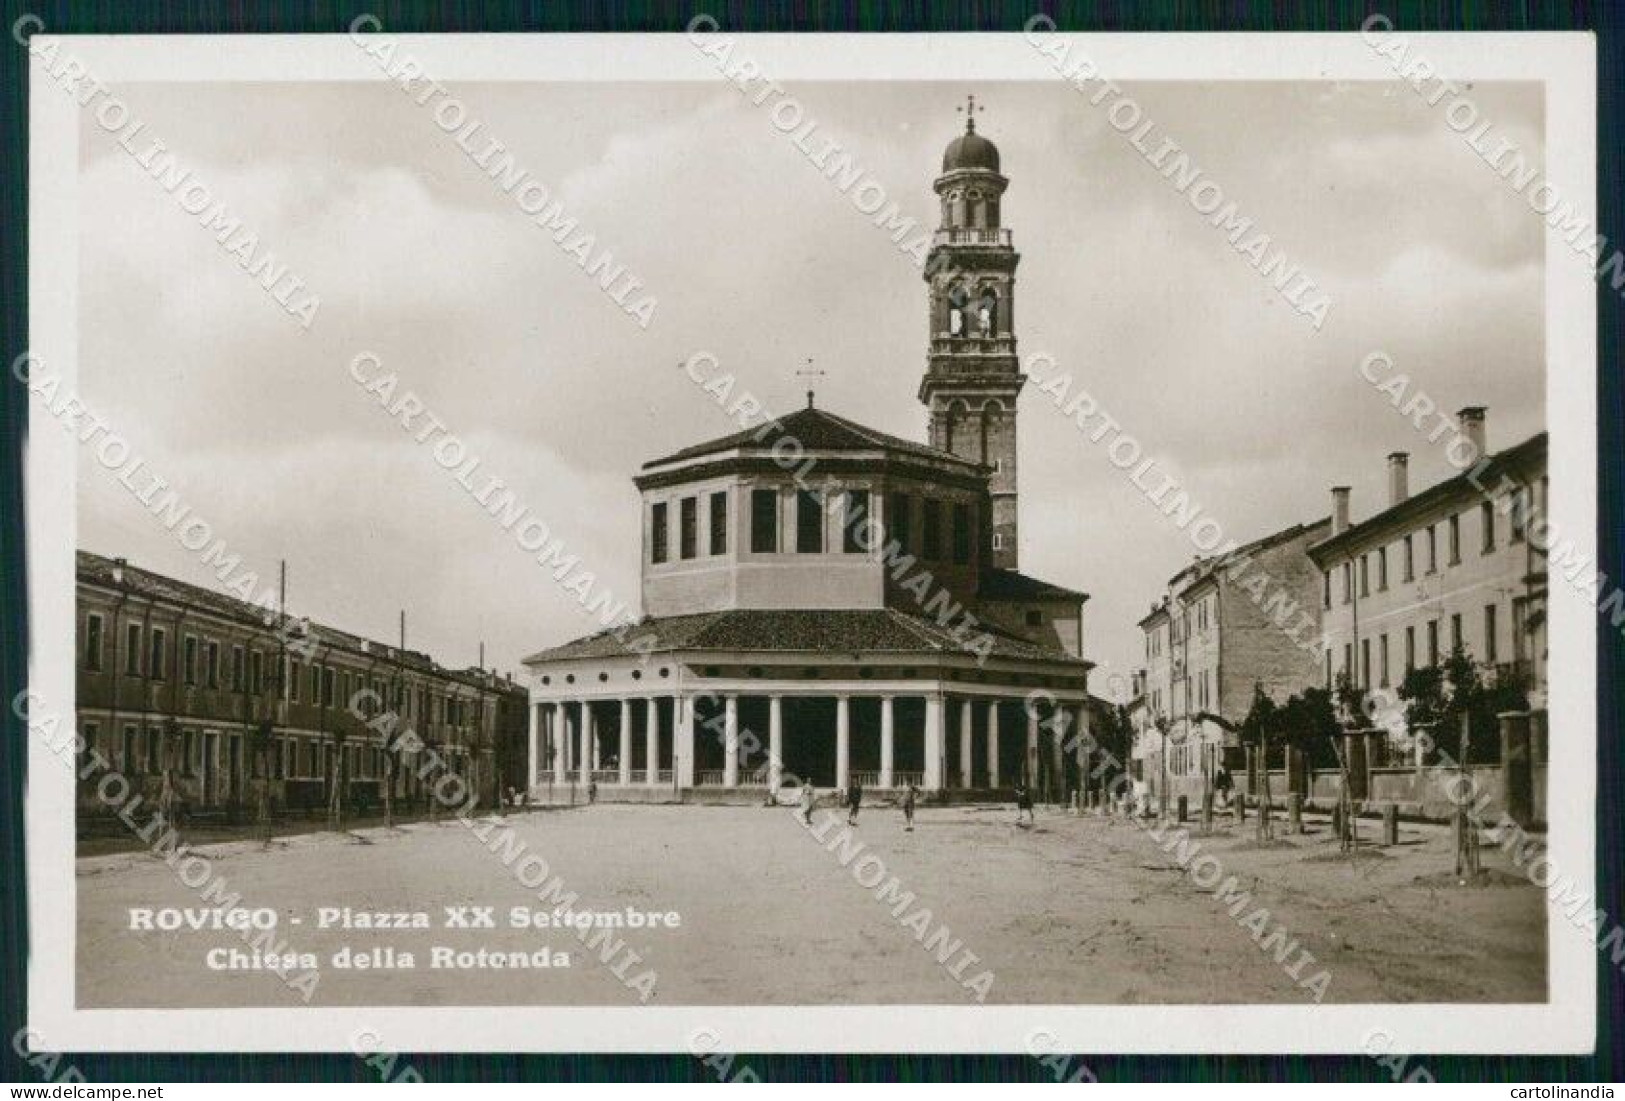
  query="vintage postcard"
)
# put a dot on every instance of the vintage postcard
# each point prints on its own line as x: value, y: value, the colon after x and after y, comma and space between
x: 710, y: 542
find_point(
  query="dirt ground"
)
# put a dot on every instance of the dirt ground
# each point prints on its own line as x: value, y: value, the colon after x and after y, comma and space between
x: 1075, y: 910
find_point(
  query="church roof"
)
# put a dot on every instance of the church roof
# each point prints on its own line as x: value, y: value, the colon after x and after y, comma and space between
x: 970, y: 150
x: 846, y: 631
x: 815, y: 430
x: 999, y: 584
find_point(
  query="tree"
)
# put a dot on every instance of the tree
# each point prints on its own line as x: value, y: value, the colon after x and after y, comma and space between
x: 1349, y: 713
x: 1262, y: 723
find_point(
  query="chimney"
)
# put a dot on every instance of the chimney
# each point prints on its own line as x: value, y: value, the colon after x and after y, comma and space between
x: 1340, y: 509
x: 1470, y: 419
x: 1398, y: 481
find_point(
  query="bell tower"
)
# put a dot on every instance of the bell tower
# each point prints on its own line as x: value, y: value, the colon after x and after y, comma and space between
x: 972, y: 376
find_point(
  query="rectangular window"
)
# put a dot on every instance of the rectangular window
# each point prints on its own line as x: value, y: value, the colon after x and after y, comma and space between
x: 1365, y: 663
x: 1486, y: 520
x: 1433, y: 548
x: 155, y: 741
x: 327, y: 686
x: 315, y: 684
x: 1433, y: 642
x: 256, y: 670
x: 1382, y: 569
x: 1348, y: 659
x: 1491, y: 650
x: 932, y: 536
x: 1410, y: 649
x: 719, y: 523
x: 155, y: 662
x: 688, y: 527
x: 962, y: 534
x: 659, y: 533
x: 213, y: 664
x: 809, y: 522
x: 237, y: 668
x: 1365, y: 575
x: 1455, y: 539
x: 1520, y: 514
x: 294, y: 672
x: 854, y: 526
x: 132, y: 650
x: 1410, y: 560
x: 93, y: 643
x: 1455, y: 633
x: 764, y: 521
x: 1382, y: 659
x: 129, y: 749
x: 189, y: 659
x: 1348, y: 582
x: 897, y: 522
x: 188, y: 743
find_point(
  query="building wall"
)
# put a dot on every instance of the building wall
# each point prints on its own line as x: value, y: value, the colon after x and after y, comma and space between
x: 140, y: 718
x: 1269, y: 615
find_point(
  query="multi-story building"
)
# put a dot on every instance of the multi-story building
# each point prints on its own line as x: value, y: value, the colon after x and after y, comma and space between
x: 1451, y: 566
x: 1226, y: 624
x: 233, y: 703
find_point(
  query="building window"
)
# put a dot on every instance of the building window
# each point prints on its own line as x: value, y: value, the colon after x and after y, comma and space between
x: 294, y: 672
x: 1491, y: 651
x: 853, y: 539
x: 962, y: 534
x: 93, y: 643
x: 1520, y: 514
x: 1410, y: 649
x: 213, y: 664
x: 933, y: 530
x: 237, y: 669
x: 1348, y: 582
x: 1486, y: 519
x: 1382, y: 569
x: 1410, y: 560
x: 1348, y: 659
x: 764, y: 521
x: 1382, y: 659
x: 1455, y: 633
x: 132, y: 650
x: 1365, y: 575
x: 129, y: 749
x: 189, y: 660
x: 157, y: 668
x: 897, y: 521
x: 658, y: 533
x: 155, y: 742
x: 327, y: 686
x: 1455, y: 539
x: 1035, y: 619
x: 1365, y: 663
x: 1433, y: 548
x: 719, y: 523
x: 1433, y: 642
x: 1326, y: 589
x: 809, y: 522
x: 688, y: 527
x: 188, y: 743
x: 255, y: 672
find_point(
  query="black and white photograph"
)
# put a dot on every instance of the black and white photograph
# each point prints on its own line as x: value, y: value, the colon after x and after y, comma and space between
x: 713, y: 542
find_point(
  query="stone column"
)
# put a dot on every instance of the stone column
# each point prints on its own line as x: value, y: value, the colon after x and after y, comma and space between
x: 1058, y: 754
x: 888, y: 742
x: 533, y: 767
x: 967, y: 730
x: 933, y: 743
x: 651, y: 741
x: 588, y: 742
x: 626, y: 742
x: 683, y: 746
x: 730, y: 741
x: 775, y: 742
x: 843, y: 742
x: 992, y: 743
x: 561, y: 739
x: 1032, y: 745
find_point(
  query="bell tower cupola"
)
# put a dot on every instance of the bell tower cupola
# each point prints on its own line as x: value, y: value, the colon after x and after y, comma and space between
x: 972, y: 376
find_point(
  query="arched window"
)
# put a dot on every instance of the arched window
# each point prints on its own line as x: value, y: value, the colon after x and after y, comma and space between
x: 991, y: 413
x: 953, y: 425
x: 987, y: 312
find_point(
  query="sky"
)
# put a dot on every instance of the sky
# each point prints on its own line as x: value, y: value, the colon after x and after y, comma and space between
x: 756, y: 257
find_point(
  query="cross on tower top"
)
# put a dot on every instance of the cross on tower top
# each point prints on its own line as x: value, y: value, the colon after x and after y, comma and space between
x: 970, y: 108
x: 809, y: 372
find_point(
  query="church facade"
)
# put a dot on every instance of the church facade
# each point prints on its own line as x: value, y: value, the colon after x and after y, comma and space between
x: 827, y: 604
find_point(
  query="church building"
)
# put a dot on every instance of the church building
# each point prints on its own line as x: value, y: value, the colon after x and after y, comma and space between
x: 854, y: 615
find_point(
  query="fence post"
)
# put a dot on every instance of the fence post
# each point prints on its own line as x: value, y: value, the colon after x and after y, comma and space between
x: 1183, y: 805
x: 1390, y: 824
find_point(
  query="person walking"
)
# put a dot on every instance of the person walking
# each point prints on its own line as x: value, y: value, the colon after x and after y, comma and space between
x: 807, y: 797
x: 854, y: 802
x: 1024, y: 804
x: 910, y: 795
x: 1221, y: 786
